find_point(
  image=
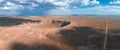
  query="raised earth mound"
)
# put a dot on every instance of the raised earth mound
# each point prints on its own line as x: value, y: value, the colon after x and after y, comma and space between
x: 58, y: 33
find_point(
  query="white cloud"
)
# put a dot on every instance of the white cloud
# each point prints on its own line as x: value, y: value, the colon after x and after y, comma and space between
x: 55, y: 2
x: 10, y: 5
x: 88, y: 2
x: 10, y: 9
x: 63, y: 2
x: 39, y: 1
x: 60, y: 7
x: 22, y: 1
x: 75, y: 7
x: 98, y: 10
x: 60, y: 2
x: 8, y: 12
x: 1, y: 1
x: 115, y: 2
x: 32, y: 6
x: 60, y: 11
x: 84, y: 2
x: 94, y: 2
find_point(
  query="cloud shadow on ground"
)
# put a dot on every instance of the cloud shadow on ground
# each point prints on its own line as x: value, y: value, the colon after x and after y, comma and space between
x: 10, y: 21
x: 84, y: 36
x: 21, y: 46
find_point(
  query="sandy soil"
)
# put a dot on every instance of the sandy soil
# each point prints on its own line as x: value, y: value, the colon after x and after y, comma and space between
x: 58, y: 33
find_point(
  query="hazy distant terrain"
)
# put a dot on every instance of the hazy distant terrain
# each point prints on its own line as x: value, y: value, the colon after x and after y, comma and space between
x: 58, y: 33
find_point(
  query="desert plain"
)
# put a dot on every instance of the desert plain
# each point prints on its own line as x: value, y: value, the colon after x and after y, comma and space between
x: 59, y: 33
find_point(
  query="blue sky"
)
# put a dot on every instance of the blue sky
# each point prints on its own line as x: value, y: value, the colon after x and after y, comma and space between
x: 59, y: 7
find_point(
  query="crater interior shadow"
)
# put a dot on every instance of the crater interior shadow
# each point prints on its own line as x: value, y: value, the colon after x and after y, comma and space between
x: 62, y: 23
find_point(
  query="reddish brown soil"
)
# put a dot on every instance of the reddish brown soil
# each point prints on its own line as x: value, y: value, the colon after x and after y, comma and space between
x: 46, y: 33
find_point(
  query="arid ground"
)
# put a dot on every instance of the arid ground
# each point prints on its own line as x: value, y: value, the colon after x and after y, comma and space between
x: 59, y: 33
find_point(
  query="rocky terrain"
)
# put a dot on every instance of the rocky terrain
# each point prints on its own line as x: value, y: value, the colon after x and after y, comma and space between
x: 58, y: 33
